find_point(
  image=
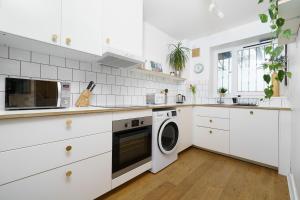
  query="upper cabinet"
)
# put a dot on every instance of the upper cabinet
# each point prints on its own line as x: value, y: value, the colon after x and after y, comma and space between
x: 34, y: 19
x: 122, y: 26
x: 290, y: 10
x: 81, y: 25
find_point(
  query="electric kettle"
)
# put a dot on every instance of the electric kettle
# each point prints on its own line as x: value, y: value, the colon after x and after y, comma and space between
x: 180, y: 98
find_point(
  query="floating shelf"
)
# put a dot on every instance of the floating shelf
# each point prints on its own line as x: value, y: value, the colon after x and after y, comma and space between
x: 160, y: 74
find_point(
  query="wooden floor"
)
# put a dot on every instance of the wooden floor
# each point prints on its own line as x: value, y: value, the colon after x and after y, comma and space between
x: 198, y: 174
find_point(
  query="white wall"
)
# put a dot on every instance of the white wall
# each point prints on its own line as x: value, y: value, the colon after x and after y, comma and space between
x: 228, y: 37
x: 294, y: 91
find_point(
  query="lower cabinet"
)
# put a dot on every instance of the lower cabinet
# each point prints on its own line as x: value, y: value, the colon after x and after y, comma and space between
x: 254, y: 135
x: 83, y: 180
x: 212, y: 139
x: 185, y: 123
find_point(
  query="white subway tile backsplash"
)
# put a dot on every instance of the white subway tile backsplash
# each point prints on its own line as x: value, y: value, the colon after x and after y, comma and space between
x: 78, y: 75
x: 85, y: 66
x: 3, y: 51
x: 111, y: 79
x: 30, y: 69
x: 57, y: 61
x: 64, y: 74
x: 40, y: 58
x: 72, y: 64
x: 2, y: 100
x: 101, y: 78
x: 113, y: 86
x: 9, y: 67
x: 19, y: 54
x: 91, y: 76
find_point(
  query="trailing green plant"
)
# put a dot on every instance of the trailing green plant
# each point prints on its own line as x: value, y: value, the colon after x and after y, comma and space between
x: 178, y: 56
x: 275, y: 64
x: 222, y: 90
x: 193, y: 89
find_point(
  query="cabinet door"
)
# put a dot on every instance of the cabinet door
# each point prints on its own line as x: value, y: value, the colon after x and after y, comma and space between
x: 86, y: 179
x: 185, y: 127
x: 34, y: 19
x: 254, y: 135
x: 81, y: 25
x: 123, y: 26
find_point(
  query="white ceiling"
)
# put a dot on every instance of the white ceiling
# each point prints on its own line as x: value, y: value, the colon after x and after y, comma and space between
x: 190, y: 19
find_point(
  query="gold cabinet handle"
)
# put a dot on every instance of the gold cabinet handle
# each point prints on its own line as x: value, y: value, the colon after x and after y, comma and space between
x: 251, y: 112
x: 210, y: 121
x: 68, y: 41
x: 54, y: 38
x: 210, y: 132
x: 69, y: 173
x: 68, y: 148
x: 107, y: 41
x: 69, y: 122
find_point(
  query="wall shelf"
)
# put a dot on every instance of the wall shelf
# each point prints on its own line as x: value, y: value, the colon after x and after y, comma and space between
x: 160, y: 74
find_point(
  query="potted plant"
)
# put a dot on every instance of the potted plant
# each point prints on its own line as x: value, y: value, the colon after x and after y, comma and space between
x: 275, y: 65
x: 193, y: 90
x: 222, y: 92
x: 178, y: 57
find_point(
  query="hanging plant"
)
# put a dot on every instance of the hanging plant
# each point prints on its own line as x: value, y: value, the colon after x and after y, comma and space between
x: 178, y: 56
x: 275, y: 64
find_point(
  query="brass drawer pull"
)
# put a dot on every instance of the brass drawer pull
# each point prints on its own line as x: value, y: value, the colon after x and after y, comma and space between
x: 210, y: 132
x: 251, y: 112
x: 69, y: 173
x: 68, y: 41
x: 68, y: 148
x: 69, y: 122
x: 210, y: 121
x: 54, y: 38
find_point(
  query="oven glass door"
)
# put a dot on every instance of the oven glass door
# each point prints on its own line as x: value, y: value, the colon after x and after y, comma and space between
x: 130, y: 147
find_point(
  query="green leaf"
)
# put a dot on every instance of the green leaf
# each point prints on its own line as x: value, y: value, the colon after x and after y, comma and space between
x: 281, y: 74
x: 272, y: 13
x: 263, y: 18
x: 269, y: 92
x: 280, y: 22
x: 288, y: 74
x: 260, y: 1
x: 265, y: 66
x: 277, y: 51
x: 287, y: 33
x: 267, y: 78
x: 268, y: 49
x: 273, y: 26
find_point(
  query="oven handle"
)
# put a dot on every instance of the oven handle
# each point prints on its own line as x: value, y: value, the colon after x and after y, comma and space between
x: 58, y: 94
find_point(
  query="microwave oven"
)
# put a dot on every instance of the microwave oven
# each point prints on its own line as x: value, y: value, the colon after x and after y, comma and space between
x: 26, y: 94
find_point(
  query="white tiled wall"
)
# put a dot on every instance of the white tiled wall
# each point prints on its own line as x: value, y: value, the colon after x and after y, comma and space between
x: 114, y: 86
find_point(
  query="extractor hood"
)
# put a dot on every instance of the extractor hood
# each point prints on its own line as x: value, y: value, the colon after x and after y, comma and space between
x: 116, y: 58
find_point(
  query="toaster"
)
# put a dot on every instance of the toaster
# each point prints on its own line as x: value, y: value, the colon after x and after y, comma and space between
x: 155, y: 98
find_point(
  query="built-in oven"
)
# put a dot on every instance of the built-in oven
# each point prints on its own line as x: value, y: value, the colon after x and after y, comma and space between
x: 132, y: 141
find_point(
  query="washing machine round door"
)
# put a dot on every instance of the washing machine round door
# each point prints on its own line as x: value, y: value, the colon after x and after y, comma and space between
x: 168, y: 136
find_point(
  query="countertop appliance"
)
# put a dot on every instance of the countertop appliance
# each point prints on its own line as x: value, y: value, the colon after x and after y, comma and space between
x: 25, y: 94
x: 180, y: 98
x: 165, y: 137
x: 155, y: 98
x: 132, y: 144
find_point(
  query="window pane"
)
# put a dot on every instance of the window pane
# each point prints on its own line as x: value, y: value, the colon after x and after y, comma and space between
x: 225, y: 70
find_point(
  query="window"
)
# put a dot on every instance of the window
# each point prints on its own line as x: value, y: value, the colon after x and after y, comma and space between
x: 225, y: 70
x: 250, y: 70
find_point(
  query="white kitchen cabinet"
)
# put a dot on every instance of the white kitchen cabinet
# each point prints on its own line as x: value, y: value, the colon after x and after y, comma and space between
x: 81, y: 25
x: 254, y: 135
x: 122, y: 26
x: 184, y: 116
x: 212, y: 139
x: 34, y: 19
x: 84, y: 180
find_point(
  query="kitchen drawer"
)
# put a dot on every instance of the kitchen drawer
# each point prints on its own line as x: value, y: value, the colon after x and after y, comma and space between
x: 44, y: 157
x: 211, y: 112
x: 18, y: 133
x: 82, y: 180
x: 217, y: 123
x: 212, y: 139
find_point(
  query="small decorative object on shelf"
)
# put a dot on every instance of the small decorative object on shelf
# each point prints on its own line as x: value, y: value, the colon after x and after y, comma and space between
x: 157, y: 67
x: 178, y: 57
x: 172, y: 73
x: 222, y: 92
x: 165, y: 92
x: 84, y: 98
x: 193, y: 90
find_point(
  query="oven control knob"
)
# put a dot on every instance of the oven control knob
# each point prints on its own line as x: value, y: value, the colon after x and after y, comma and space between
x: 168, y: 114
x: 126, y: 125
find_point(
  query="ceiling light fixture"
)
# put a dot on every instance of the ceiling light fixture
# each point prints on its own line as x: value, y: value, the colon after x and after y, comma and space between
x: 214, y: 9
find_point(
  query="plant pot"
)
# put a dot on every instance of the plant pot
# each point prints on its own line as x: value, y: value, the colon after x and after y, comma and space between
x: 178, y: 73
x: 276, y: 85
x: 222, y: 94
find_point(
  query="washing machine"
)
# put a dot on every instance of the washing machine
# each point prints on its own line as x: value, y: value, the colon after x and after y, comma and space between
x: 165, y: 135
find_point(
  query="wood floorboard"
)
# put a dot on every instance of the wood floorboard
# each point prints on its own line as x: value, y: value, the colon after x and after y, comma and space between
x: 202, y: 175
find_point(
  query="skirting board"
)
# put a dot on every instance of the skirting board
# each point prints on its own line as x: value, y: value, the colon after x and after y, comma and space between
x: 130, y: 175
x: 292, y: 187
